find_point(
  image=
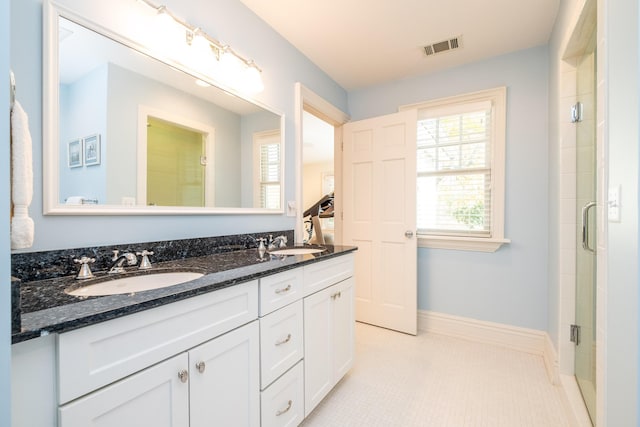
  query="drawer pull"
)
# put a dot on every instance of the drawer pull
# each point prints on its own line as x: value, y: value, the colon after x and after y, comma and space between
x: 183, y: 375
x: 200, y: 366
x: 283, y: 290
x: 284, y: 341
x: 285, y: 410
x: 336, y: 295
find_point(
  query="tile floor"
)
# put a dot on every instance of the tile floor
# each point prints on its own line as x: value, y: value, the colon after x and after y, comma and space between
x: 435, y: 380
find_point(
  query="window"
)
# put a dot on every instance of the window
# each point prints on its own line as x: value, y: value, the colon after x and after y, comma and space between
x: 268, y: 170
x: 460, y: 171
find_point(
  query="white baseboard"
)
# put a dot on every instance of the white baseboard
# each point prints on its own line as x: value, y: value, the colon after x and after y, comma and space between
x: 521, y: 339
x: 551, y: 363
x: 516, y: 338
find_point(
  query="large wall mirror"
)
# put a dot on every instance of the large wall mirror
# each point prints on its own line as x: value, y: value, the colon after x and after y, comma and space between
x: 126, y: 133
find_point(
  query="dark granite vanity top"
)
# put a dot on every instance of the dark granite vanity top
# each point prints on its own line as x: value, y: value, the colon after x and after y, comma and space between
x: 46, y: 308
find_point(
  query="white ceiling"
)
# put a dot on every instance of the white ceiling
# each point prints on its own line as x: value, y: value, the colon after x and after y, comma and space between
x: 361, y: 43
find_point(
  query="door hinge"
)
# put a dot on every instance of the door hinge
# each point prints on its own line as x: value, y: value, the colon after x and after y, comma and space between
x: 574, y: 334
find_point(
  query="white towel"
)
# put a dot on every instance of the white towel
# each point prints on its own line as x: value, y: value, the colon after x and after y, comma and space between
x: 21, y: 179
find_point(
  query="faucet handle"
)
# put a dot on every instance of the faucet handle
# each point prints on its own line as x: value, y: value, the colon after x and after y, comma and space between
x: 85, y: 271
x: 144, y: 262
x: 261, y: 242
x: 115, y: 254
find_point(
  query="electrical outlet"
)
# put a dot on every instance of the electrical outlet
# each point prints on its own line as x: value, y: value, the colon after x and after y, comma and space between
x: 613, y: 204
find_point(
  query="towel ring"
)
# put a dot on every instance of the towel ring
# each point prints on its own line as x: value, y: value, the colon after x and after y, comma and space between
x: 12, y: 88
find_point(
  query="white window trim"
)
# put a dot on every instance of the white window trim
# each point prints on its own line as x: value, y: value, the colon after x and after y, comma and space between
x: 258, y: 140
x: 498, y: 98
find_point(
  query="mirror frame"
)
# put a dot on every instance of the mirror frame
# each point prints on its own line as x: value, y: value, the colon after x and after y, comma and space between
x: 50, y: 132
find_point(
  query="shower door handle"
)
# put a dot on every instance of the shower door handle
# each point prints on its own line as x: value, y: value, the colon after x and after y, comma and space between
x: 585, y: 227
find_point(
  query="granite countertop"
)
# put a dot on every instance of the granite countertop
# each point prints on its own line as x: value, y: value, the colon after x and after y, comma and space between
x: 46, y: 308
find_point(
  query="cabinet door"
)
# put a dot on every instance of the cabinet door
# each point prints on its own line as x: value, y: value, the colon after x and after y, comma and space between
x: 343, y: 328
x: 318, y: 347
x: 224, y: 383
x: 329, y: 340
x: 153, y: 397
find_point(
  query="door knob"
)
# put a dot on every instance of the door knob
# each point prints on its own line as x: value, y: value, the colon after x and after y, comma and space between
x: 408, y: 234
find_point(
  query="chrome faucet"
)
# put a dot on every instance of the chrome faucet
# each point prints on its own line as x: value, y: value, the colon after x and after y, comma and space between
x: 119, y: 261
x: 278, y: 242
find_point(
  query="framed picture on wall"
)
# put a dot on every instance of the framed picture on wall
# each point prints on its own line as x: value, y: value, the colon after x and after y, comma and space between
x: 74, y: 153
x: 92, y: 150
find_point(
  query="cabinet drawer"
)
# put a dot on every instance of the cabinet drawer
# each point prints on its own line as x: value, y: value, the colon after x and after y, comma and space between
x: 100, y: 354
x: 281, y: 341
x: 279, y: 290
x: 282, y: 403
x: 319, y: 275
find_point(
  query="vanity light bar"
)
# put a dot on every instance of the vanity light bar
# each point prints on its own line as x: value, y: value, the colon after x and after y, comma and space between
x: 192, y: 32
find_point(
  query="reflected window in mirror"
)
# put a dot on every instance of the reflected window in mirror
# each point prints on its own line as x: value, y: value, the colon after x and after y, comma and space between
x: 267, y: 169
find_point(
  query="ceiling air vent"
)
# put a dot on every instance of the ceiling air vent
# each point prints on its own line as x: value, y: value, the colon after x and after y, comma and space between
x: 443, y: 46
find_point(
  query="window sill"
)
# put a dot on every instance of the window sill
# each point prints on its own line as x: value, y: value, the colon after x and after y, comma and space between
x: 461, y: 243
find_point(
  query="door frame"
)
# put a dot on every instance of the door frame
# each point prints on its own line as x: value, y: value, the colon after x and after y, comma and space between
x: 307, y: 100
x: 564, y: 369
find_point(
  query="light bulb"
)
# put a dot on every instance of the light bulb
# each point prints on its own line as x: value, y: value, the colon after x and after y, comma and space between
x: 200, y: 55
x: 169, y: 35
x: 252, y: 81
x: 229, y: 70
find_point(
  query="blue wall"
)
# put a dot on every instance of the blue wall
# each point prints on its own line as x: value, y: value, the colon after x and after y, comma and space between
x: 227, y: 20
x: 83, y: 112
x: 510, y: 285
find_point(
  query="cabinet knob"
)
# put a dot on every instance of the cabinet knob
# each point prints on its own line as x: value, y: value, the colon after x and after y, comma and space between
x: 285, y: 410
x: 200, y: 366
x: 183, y: 375
x: 283, y: 290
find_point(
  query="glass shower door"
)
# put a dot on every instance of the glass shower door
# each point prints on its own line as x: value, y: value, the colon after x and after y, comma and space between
x: 585, y: 336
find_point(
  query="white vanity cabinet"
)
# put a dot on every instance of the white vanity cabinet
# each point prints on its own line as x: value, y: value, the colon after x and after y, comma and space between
x: 306, y: 338
x: 260, y: 353
x: 215, y: 383
x: 182, y: 361
x: 329, y: 340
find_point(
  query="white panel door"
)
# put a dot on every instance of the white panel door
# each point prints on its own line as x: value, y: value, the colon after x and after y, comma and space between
x: 379, y: 161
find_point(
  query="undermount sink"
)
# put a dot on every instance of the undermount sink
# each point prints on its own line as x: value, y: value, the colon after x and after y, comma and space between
x: 126, y: 285
x: 296, y: 251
